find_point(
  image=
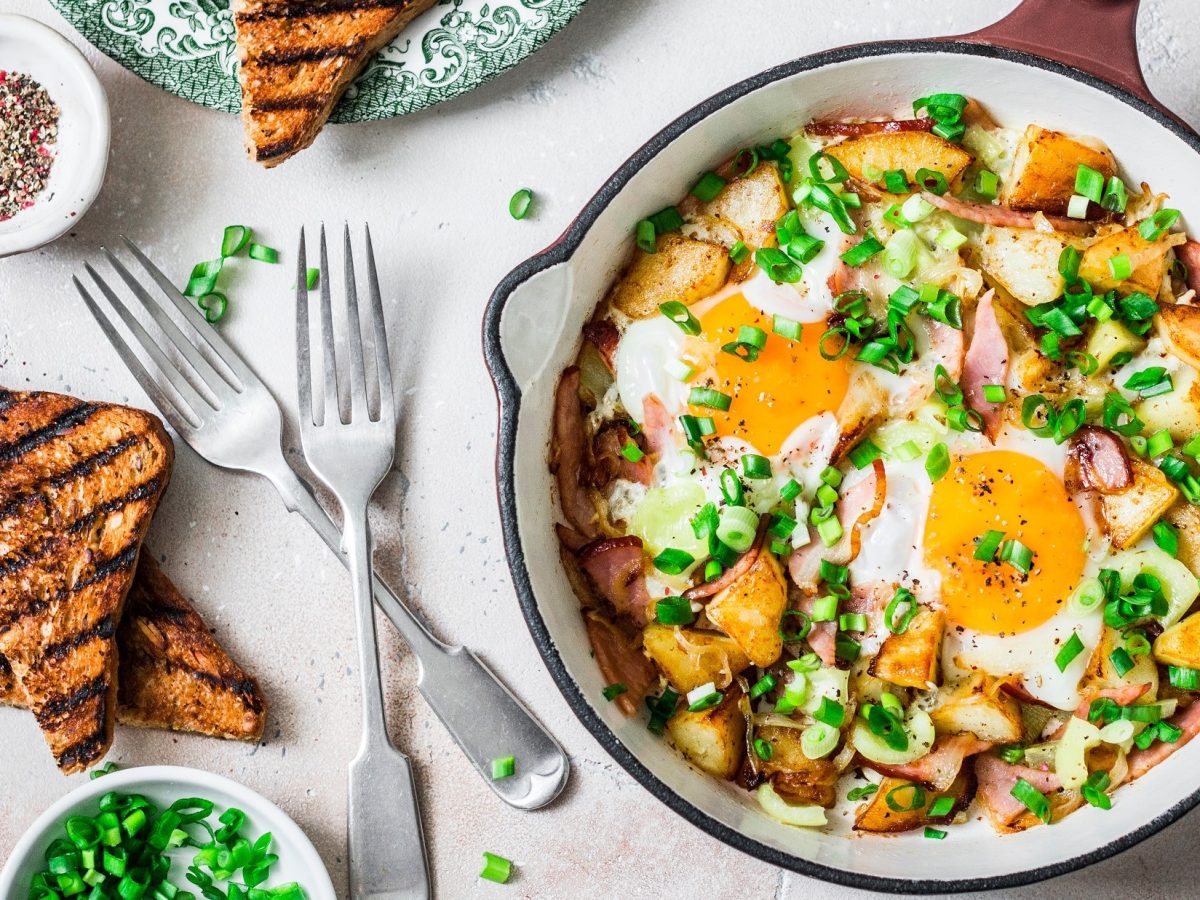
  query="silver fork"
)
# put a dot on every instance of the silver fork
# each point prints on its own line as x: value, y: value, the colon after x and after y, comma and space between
x: 351, y: 456
x: 226, y: 414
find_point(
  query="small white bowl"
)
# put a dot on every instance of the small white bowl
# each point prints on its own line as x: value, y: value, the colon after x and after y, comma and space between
x: 81, y: 153
x: 163, y: 785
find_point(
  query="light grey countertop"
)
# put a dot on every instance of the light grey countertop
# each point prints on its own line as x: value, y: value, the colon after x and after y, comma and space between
x: 435, y: 187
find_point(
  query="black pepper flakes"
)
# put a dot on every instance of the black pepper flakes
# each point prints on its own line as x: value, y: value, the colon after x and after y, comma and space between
x: 28, y: 132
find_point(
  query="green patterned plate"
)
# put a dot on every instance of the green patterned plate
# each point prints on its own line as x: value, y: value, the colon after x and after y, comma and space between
x: 186, y: 47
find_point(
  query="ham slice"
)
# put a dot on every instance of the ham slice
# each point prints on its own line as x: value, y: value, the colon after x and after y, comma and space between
x: 745, y: 562
x: 569, y: 456
x: 658, y: 427
x: 986, y: 363
x: 869, y: 598
x: 1123, y: 696
x: 996, y: 781
x: 619, y: 655
x: 938, y: 768
x: 1097, y: 461
x: 857, y: 129
x: 858, y: 505
x: 605, y: 336
x: 1187, y: 721
x: 610, y: 463
x: 946, y: 346
x: 993, y: 214
x: 617, y: 567
x: 1189, y: 255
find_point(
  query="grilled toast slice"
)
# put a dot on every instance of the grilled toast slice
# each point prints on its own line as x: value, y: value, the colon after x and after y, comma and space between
x: 297, y: 59
x: 79, y: 483
x: 173, y: 674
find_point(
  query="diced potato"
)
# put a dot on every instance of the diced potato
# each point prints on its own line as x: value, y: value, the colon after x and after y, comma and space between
x: 1178, y: 411
x: 1101, y: 674
x: 876, y: 817
x: 1031, y: 372
x: 1179, y: 326
x: 1131, y: 513
x: 1108, y: 339
x: 1148, y: 259
x: 752, y: 205
x: 683, y: 269
x: 980, y: 708
x: 750, y: 609
x: 794, y: 775
x: 715, y: 739
x: 690, y: 657
x: 1186, y: 518
x: 1179, y: 645
x: 907, y: 150
x: 1044, y: 167
x: 863, y: 409
x: 911, y: 659
x: 1024, y: 261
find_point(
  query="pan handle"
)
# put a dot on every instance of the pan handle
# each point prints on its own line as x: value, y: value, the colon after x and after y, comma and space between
x: 1096, y: 36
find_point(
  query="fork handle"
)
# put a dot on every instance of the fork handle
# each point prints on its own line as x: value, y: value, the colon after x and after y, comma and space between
x: 485, y: 719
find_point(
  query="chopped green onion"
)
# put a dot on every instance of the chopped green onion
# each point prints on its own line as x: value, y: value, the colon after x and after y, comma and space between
x: 708, y: 187
x: 1089, y: 183
x: 825, y: 608
x: 916, y: 208
x: 750, y: 341
x: 941, y: 807
x: 496, y: 868
x: 673, y: 562
x: 790, y: 491
x: 674, y: 611
x: 830, y: 713
x: 614, y: 690
x: 234, y: 239
x: 902, y: 597
x: 1184, y: 679
x: 762, y: 686
x: 895, y: 181
x: 801, y: 631
x: 1151, y: 382
x: 778, y: 265
x: 763, y: 749
x: 1158, y: 224
x: 647, y: 237
x: 907, y: 451
x: 1121, y: 661
x: 900, y: 254
x: 681, y: 316
x: 1035, y: 801
x: 311, y: 277
x: 1077, y: 207
x: 213, y: 305
x: 203, y: 279
x: 935, y: 834
x: 709, y: 398
x: 731, y: 488
x: 859, y: 793
x: 932, y: 180
x: 987, y: 184
x: 1166, y: 536
x: 263, y: 253
x: 503, y: 767
x: 755, y: 466
x: 950, y: 238
x: 704, y: 697
x: 520, y: 203
x: 667, y: 219
x: 994, y: 393
x: 632, y: 452
x: 738, y: 527
x: 852, y: 622
x: 1120, y: 267
x: 865, y: 454
x: 1115, y: 197
x: 937, y: 461
x: 786, y: 328
x: 988, y: 543
x: 817, y: 164
x: 857, y: 255
x: 1071, y: 649
x: 1159, y: 443
x: 739, y: 253
x: 905, y: 798
x: 1017, y: 555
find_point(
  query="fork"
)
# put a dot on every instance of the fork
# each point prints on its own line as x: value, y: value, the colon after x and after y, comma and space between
x: 225, y: 413
x: 351, y: 455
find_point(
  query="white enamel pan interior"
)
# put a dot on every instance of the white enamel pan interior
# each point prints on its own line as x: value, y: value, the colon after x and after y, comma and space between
x: 532, y: 332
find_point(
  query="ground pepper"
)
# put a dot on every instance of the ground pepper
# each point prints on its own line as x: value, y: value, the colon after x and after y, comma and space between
x: 28, y: 132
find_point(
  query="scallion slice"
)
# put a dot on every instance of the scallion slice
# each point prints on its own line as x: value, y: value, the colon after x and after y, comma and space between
x: 674, y: 611
x: 520, y: 203
x: 647, y: 236
x: 503, y: 767
x: 496, y: 868
x: 739, y: 253
x: 864, y: 454
x: 708, y: 187
x: 897, y: 622
x: 681, y: 316
x: 755, y: 466
x: 1071, y: 649
x: 987, y: 546
x: 857, y: 255
x: 615, y: 690
x: 263, y: 253
x: 234, y: 239
x: 1089, y: 183
x: 1035, y: 801
x: 937, y: 461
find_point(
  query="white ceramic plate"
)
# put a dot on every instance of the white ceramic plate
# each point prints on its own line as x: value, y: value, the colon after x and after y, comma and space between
x: 163, y: 785
x: 81, y: 154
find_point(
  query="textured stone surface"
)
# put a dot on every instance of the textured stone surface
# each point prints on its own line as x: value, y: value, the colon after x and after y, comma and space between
x: 435, y: 187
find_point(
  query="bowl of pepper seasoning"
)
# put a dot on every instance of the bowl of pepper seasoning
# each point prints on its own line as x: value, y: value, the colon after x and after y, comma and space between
x: 54, y: 134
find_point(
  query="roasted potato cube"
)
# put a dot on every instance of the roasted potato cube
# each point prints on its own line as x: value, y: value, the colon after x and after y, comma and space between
x: 1178, y: 411
x: 1179, y: 645
x: 978, y: 706
x: 911, y: 659
x: 683, y: 269
x: 690, y: 657
x: 1044, y: 167
x: 750, y: 609
x: 1148, y: 260
x: 876, y: 817
x: 1102, y: 675
x: 1110, y: 337
x: 1131, y: 513
x: 1179, y: 326
x: 1024, y: 262
x: 907, y: 150
x: 864, y: 407
x: 715, y: 739
x: 793, y: 775
x: 752, y: 205
x: 1186, y: 518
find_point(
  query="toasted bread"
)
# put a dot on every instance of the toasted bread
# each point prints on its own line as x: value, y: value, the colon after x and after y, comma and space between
x: 297, y: 59
x: 79, y: 483
x: 173, y: 674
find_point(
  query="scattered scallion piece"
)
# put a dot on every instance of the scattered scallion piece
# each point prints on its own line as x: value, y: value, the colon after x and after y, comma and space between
x: 937, y: 461
x: 1035, y: 801
x: 615, y: 690
x: 739, y: 253
x: 311, y: 277
x: 234, y: 239
x: 681, y: 316
x: 708, y: 187
x: 674, y: 611
x: 496, y: 868
x: 520, y: 203
x: 865, y: 454
x: 862, y: 791
x: 503, y: 767
x: 263, y: 253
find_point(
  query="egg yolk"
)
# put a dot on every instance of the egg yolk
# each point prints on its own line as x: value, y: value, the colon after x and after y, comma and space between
x: 785, y: 386
x: 1004, y: 491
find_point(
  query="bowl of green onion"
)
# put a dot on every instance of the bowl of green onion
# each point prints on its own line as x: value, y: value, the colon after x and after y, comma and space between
x: 164, y: 833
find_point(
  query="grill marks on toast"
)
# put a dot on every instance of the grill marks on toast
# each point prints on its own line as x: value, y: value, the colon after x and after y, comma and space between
x: 79, y: 483
x: 297, y: 58
x: 157, y: 644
